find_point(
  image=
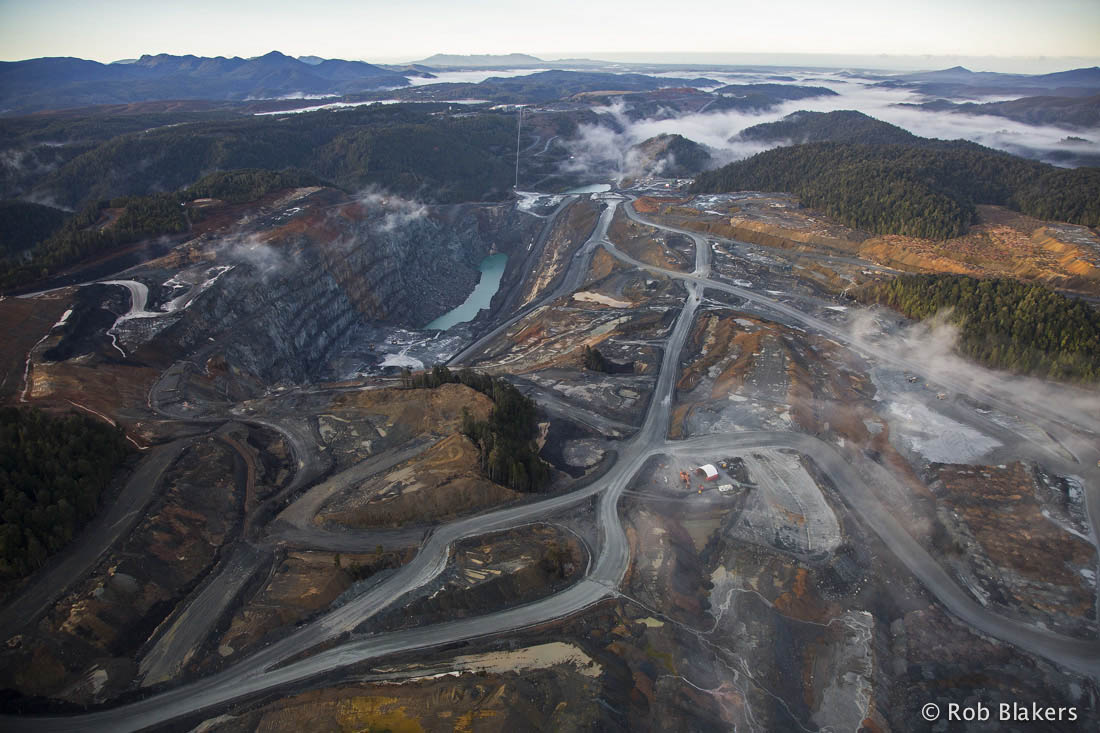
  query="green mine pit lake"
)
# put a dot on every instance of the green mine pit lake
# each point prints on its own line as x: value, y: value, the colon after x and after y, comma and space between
x: 492, y: 269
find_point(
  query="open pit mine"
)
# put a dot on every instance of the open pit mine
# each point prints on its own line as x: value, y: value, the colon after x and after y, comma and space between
x: 751, y: 503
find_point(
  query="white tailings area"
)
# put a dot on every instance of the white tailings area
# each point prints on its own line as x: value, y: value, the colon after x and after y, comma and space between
x: 936, y: 437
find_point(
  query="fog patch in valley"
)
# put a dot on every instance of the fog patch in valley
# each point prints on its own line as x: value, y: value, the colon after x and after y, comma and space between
x: 389, y: 212
x: 932, y: 343
x: 602, y: 150
x: 995, y: 132
x: 254, y: 251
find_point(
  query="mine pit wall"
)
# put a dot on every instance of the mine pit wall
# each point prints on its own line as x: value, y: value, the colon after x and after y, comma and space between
x: 285, y: 323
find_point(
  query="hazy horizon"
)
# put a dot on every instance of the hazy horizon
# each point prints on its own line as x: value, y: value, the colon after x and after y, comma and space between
x: 1056, y: 35
x: 876, y: 62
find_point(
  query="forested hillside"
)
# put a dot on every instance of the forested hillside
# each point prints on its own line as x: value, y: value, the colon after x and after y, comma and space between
x: 1005, y: 323
x: 673, y: 156
x: 840, y: 126
x: 408, y: 149
x: 440, y: 159
x: 247, y: 184
x: 927, y: 190
x: 23, y: 224
x: 91, y: 231
x: 53, y: 471
x: 1076, y: 111
x: 103, y: 226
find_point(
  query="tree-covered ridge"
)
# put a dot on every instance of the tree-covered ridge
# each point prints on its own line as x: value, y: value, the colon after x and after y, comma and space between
x: 927, y: 190
x: 506, y: 441
x: 1074, y: 111
x: 839, y: 126
x: 1062, y: 194
x: 421, y: 150
x: 94, y: 230
x: 1005, y: 323
x: 23, y: 224
x: 105, y: 225
x: 53, y: 471
x: 673, y: 156
x: 249, y: 184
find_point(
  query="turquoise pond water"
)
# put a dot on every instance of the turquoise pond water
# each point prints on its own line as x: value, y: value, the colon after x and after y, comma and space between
x: 592, y: 188
x: 492, y: 269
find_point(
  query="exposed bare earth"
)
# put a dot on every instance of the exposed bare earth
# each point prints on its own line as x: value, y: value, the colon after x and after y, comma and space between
x: 1020, y: 556
x: 442, y: 482
x: 1003, y: 242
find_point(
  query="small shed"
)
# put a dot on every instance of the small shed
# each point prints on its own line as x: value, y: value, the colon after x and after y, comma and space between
x: 708, y: 470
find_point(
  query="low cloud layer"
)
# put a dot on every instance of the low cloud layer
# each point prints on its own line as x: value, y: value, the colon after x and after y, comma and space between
x: 931, y: 345
x: 599, y: 150
x: 388, y: 212
x: 253, y: 251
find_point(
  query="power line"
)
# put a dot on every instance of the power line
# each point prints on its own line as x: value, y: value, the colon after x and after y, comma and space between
x: 519, y: 128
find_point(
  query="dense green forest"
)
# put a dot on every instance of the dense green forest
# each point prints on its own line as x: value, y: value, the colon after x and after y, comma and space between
x: 95, y: 229
x: 105, y: 225
x: 420, y: 150
x: 53, y: 471
x: 926, y: 190
x: 1082, y: 112
x: 89, y: 125
x: 839, y: 126
x: 249, y: 184
x: 23, y: 224
x: 1005, y: 323
x: 506, y: 441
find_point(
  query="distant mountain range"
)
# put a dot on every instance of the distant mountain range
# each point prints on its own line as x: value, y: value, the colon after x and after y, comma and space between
x: 502, y: 61
x: 546, y: 86
x: 850, y: 126
x: 484, y: 61
x: 41, y: 84
x: 960, y: 74
x: 960, y: 82
x: 57, y: 83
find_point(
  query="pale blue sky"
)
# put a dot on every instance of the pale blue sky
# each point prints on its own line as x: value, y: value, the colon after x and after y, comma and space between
x: 390, y: 30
